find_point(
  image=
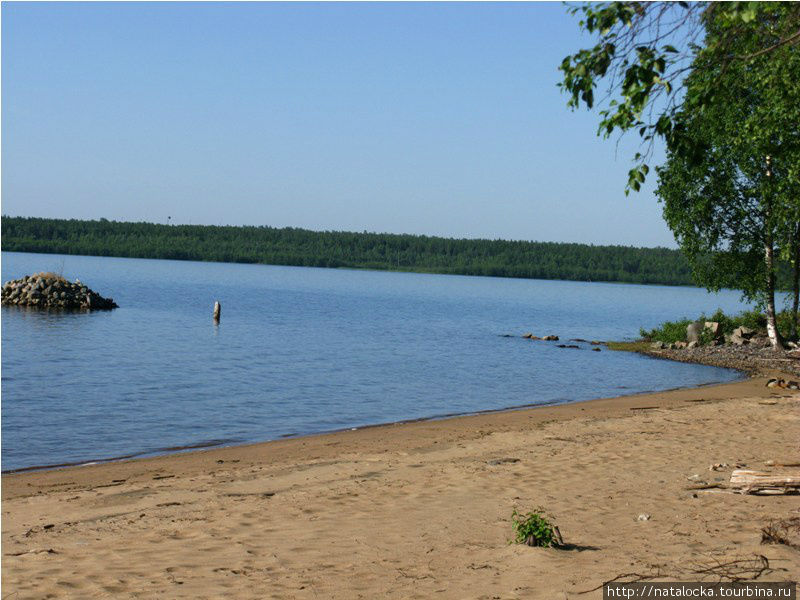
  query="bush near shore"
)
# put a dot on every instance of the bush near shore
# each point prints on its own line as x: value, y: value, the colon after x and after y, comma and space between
x: 675, y: 331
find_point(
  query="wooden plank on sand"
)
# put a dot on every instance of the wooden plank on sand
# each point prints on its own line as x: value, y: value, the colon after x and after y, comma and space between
x: 759, y: 482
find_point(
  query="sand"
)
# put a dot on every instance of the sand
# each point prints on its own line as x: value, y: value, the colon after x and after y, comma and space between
x: 418, y: 510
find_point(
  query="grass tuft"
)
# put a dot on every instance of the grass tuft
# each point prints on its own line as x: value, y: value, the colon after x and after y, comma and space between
x: 51, y: 275
x: 629, y: 346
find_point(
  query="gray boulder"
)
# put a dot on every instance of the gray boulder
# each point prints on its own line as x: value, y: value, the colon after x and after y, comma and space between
x: 738, y: 340
x: 693, y: 331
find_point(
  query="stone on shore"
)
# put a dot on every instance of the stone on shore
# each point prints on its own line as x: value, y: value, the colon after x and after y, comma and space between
x: 738, y: 340
x: 693, y: 331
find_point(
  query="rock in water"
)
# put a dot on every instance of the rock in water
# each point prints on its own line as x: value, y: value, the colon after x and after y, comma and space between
x: 49, y: 290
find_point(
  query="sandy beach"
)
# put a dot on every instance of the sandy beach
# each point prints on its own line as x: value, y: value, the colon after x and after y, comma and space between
x: 420, y: 510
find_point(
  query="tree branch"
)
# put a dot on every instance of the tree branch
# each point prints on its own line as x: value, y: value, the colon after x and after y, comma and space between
x: 795, y: 37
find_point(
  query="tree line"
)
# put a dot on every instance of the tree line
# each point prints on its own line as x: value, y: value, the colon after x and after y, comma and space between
x: 381, y: 251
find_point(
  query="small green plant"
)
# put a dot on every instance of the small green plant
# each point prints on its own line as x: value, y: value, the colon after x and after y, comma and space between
x: 534, y: 529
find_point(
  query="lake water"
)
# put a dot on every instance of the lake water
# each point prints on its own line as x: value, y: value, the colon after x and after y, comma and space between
x: 303, y: 350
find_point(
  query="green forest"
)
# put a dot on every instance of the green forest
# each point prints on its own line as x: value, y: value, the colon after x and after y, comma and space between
x: 301, y: 247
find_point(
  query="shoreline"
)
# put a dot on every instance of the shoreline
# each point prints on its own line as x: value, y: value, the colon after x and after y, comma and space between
x: 749, y: 360
x: 215, y: 444
x: 605, y: 406
x: 419, y: 509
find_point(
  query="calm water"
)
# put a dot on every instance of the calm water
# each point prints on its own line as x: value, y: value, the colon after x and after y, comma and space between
x: 303, y: 350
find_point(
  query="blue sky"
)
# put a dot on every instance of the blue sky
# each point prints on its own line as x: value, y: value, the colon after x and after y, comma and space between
x: 430, y: 118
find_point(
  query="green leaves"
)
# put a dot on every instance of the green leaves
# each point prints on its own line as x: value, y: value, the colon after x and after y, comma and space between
x: 744, y: 11
x: 534, y: 529
x: 718, y: 198
x: 636, y: 177
x: 640, y: 71
x: 645, y: 68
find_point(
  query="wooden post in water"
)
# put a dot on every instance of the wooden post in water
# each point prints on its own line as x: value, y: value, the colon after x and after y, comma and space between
x: 217, y: 311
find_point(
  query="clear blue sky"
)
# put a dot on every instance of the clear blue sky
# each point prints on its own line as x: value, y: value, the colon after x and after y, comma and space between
x: 440, y: 119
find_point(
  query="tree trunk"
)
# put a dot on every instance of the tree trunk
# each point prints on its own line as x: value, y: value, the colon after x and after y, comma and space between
x: 769, y: 259
x: 795, y: 280
x: 772, y: 325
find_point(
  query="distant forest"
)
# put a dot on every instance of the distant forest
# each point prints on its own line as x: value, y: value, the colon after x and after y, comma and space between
x: 301, y: 247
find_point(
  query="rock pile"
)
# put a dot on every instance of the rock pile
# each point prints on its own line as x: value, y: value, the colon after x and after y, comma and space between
x: 674, y: 345
x: 547, y: 338
x: 554, y: 338
x: 48, y: 290
x: 710, y: 333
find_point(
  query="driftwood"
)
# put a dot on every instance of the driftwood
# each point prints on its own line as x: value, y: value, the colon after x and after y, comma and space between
x: 786, y: 532
x: 759, y: 482
x: 776, y: 463
x: 734, y: 571
x: 737, y: 570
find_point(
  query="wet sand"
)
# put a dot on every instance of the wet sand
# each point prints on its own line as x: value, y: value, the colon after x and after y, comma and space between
x: 418, y: 510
